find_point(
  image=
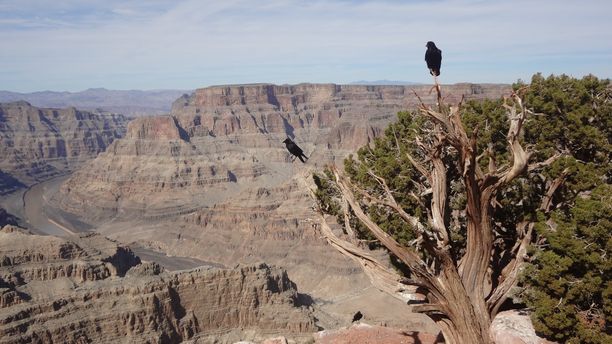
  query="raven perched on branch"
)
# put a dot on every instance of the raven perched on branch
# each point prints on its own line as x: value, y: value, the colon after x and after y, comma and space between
x: 295, y: 149
x: 433, y: 57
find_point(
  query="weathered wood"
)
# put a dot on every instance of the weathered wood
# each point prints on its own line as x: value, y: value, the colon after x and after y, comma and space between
x: 462, y: 297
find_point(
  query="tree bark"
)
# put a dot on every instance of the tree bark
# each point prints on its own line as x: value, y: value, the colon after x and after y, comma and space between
x: 461, y: 297
x: 462, y: 319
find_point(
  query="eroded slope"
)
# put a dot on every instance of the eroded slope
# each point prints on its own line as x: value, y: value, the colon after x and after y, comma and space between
x: 90, y: 289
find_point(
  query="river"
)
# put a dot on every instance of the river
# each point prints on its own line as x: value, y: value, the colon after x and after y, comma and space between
x: 31, y: 205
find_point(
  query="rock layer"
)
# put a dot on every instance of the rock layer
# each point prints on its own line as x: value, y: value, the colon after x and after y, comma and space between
x: 39, y: 143
x: 106, y: 304
x: 214, y: 181
x: 225, y: 139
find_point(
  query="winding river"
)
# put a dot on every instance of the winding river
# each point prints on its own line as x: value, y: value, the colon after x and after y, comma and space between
x: 31, y: 206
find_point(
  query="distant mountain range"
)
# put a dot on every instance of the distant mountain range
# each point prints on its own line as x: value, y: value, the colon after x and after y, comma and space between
x: 383, y: 82
x: 131, y: 102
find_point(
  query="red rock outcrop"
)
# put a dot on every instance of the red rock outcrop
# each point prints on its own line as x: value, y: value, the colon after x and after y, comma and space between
x: 142, y: 305
x: 372, y: 334
x: 155, y: 128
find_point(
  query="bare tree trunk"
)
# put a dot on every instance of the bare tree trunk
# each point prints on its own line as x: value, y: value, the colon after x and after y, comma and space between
x: 462, y: 318
x: 465, y: 321
x: 461, y: 296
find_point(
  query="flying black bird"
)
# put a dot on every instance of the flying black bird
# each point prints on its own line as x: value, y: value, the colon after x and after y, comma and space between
x: 357, y: 316
x: 295, y: 149
x: 433, y: 57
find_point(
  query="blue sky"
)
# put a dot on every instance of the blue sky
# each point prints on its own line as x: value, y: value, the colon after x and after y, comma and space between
x: 72, y: 45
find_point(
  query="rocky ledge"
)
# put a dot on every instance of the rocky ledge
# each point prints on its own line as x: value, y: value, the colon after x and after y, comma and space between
x: 90, y: 289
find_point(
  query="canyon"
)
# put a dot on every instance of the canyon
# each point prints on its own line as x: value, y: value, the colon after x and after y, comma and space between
x: 91, y: 289
x: 209, y: 181
x: 40, y: 143
x: 213, y: 180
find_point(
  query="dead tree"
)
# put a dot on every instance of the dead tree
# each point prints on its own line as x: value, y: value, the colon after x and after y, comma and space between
x: 463, y: 294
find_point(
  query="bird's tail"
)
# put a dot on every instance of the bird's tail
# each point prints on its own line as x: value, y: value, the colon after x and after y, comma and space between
x: 302, y: 160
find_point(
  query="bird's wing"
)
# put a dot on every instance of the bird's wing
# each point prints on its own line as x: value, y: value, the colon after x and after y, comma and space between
x: 434, y: 59
x: 293, y: 148
x: 430, y: 58
x: 298, y: 150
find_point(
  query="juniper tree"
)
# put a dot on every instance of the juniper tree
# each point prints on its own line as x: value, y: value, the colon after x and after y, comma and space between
x: 567, y: 283
x: 454, y: 194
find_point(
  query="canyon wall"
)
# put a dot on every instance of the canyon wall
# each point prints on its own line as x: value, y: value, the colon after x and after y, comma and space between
x: 228, y: 139
x: 213, y: 180
x: 91, y: 289
x: 39, y: 143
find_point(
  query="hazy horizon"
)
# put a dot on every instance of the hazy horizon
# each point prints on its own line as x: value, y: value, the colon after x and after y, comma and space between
x: 68, y: 45
x: 358, y: 82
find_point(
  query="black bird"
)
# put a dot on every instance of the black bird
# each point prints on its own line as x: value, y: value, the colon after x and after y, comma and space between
x: 295, y: 150
x: 433, y: 57
x: 357, y: 316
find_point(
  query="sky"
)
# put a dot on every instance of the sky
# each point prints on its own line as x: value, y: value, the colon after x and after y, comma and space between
x: 72, y: 45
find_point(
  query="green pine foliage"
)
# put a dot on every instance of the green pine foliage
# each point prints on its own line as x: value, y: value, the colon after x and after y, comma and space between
x: 387, y: 159
x: 567, y: 282
x: 569, y: 287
